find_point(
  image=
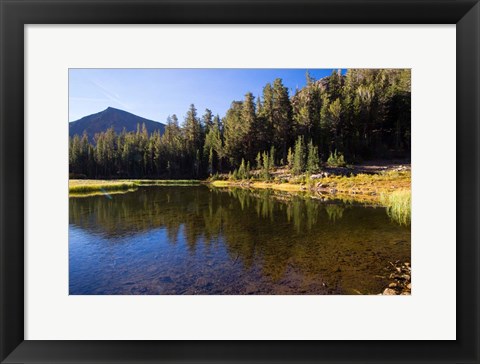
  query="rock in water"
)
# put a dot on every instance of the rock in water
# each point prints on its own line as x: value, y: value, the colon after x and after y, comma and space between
x: 389, y: 292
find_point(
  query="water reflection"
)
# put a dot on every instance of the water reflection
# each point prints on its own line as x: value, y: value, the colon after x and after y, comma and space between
x: 194, y: 240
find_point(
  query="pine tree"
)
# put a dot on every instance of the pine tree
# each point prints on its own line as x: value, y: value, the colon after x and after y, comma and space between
x: 234, y: 133
x: 290, y: 158
x: 335, y: 85
x: 235, y: 175
x: 267, y: 105
x: 266, y: 166
x: 313, y: 161
x: 192, y: 130
x: 75, y: 155
x: 242, y: 170
x: 197, y: 163
x: 213, y: 144
x: 258, y: 160
x: 207, y: 120
x: 248, y: 124
x: 173, y: 143
x: 84, y: 154
x: 334, y: 118
x: 306, y: 104
x: 265, y: 116
x: 210, y: 162
x: 157, y: 153
x: 272, y: 156
x: 281, y: 117
x: 299, y: 157
x: 259, y: 106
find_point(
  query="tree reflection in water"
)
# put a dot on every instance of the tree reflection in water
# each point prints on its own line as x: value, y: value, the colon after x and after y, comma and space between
x: 196, y: 240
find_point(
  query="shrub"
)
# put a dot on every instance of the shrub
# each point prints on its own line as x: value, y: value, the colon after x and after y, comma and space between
x: 235, y: 174
x: 215, y: 177
x: 336, y: 160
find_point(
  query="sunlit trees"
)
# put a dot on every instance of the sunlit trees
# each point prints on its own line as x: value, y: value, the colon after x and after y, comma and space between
x: 214, y: 146
x: 192, y: 130
x: 207, y: 120
x: 234, y: 133
x: 281, y: 118
x: 362, y: 114
x: 248, y: 120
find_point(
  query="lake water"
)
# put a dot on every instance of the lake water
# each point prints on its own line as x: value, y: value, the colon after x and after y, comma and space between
x: 198, y: 240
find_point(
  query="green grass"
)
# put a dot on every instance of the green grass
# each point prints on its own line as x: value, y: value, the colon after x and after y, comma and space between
x: 399, y: 205
x: 87, y: 186
x: 84, y: 186
x: 360, y: 188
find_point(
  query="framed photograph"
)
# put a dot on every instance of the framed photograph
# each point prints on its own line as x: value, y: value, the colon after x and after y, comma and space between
x: 239, y: 181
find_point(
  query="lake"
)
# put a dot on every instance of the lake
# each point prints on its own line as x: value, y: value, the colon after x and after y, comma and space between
x: 199, y: 240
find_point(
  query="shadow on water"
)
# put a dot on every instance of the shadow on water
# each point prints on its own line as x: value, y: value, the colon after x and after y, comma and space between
x: 195, y: 240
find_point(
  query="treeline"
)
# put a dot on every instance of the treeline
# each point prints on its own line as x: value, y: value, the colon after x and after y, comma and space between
x: 361, y: 115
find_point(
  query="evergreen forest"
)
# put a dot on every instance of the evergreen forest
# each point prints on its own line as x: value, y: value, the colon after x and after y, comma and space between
x: 338, y: 120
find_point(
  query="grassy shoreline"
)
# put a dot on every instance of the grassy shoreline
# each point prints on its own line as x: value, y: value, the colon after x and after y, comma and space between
x: 363, y: 187
x: 391, y: 188
x: 373, y: 187
x: 82, y: 187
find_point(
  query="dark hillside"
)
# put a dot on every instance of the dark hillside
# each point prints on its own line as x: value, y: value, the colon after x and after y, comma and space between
x: 111, y: 117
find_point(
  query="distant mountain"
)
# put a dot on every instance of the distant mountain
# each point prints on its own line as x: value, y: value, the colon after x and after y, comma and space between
x: 111, y: 117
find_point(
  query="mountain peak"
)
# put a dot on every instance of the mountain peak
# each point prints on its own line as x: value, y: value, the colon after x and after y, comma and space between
x: 112, y: 118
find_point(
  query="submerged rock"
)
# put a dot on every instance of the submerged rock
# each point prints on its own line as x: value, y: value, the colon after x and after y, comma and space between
x: 401, y: 277
x: 389, y: 292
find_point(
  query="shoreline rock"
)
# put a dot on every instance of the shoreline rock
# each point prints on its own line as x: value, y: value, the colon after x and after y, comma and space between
x: 401, y: 279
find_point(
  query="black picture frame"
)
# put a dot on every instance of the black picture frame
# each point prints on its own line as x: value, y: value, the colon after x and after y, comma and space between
x: 16, y: 13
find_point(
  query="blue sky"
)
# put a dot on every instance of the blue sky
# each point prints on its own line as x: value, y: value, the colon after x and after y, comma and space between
x: 156, y: 93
